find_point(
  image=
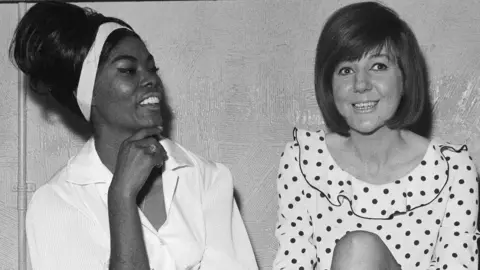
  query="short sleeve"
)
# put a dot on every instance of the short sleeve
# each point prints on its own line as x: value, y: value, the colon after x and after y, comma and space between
x: 456, y: 246
x: 61, y: 237
x: 294, y: 229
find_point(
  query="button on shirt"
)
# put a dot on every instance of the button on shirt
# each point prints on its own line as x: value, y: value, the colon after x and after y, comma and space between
x: 68, y: 228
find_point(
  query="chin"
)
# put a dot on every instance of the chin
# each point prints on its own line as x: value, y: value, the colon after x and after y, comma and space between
x: 159, y: 124
x: 144, y: 124
x: 153, y: 121
x: 367, y: 129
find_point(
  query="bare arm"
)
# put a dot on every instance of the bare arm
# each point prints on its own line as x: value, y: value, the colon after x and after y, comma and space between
x: 135, y: 162
x: 126, y: 237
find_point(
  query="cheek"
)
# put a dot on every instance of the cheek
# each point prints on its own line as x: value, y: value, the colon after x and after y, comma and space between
x: 114, y: 95
x: 391, y: 87
x: 340, y: 97
x: 121, y: 90
x: 342, y: 89
x: 393, y: 94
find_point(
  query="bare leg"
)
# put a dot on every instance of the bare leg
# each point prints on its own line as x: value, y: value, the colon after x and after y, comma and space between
x: 361, y: 250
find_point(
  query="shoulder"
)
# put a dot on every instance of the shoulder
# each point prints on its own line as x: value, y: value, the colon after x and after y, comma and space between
x: 443, y: 149
x: 299, y: 162
x: 454, y: 158
x: 56, y: 199
x: 453, y: 152
x: 458, y: 157
x: 305, y: 140
x: 50, y: 193
x: 45, y: 198
x: 460, y: 168
x: 51, y: 202
x: 463, y: 180
x: 305, y: 147
x: 305, y: 155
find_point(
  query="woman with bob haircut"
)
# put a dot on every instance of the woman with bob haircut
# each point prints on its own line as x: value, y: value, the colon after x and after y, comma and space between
x: 131, y: 198
x: 375, y: 192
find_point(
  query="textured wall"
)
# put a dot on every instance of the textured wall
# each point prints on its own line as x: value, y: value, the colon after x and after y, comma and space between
x: 239, y: 76
x: 8, y: 143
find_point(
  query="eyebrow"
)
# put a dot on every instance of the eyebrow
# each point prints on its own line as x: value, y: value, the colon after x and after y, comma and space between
x: 380, y: 55
x: 130, y: 58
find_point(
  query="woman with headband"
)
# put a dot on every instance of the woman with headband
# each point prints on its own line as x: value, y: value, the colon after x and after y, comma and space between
x: 130, y: 199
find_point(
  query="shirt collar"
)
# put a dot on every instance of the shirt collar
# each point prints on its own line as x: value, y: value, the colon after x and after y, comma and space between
x: 87, y: 168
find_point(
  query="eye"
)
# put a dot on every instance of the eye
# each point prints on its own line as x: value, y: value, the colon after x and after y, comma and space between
x: 154, y: 69
x: 127, y: 71
x: 379, y: 66
x: 345, y: 71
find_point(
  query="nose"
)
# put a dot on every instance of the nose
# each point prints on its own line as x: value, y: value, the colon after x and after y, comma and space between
x: 362, y: 81
x: 150, y: 80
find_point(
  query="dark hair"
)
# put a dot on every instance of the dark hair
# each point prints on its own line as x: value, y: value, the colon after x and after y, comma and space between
x: 356, y: 30
x: 51, y: 42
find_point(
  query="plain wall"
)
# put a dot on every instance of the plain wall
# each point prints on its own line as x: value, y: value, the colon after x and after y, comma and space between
x: 239, y: 77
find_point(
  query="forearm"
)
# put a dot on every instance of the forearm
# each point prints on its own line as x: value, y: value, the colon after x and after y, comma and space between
x: 126, y: 237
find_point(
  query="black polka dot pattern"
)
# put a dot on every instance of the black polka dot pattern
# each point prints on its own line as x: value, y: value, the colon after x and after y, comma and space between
x: 427, y: 219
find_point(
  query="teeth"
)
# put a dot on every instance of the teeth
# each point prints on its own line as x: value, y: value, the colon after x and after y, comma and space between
x: 365, y: 105
x: 150, y: 100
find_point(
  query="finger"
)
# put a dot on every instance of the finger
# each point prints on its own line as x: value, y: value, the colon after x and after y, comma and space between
x: 160, y: 157
x: 157, y: 150
x: 148, y: 142
x: 150, y: 145
x: 159, y: 136
x: 151, y: 149
x: 147, y: 132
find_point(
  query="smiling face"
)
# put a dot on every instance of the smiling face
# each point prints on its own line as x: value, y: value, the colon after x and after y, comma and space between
x: 128, y: 89
x: 367, y: 92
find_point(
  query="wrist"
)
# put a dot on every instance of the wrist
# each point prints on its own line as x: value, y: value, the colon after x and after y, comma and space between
x: 120, y: 192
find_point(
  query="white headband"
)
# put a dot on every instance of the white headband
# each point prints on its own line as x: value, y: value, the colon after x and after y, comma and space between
x: 89, y: 68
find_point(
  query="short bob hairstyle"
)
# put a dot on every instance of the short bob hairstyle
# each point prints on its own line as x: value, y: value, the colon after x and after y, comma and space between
x: 356, y: 30
x: 51, y: 42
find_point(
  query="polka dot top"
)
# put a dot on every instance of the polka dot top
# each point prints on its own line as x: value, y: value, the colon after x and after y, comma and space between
x: 427, y: 219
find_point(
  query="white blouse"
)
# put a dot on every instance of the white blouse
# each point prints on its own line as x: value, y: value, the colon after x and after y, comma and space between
x: 68, y: 227
x: 427, y: 219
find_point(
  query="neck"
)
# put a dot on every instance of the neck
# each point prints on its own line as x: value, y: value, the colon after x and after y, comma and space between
x: 107, y: 143
x: 375, y: 148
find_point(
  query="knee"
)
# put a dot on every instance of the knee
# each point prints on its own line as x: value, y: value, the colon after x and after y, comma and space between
x: 360, y: 250
x: 359, y: 240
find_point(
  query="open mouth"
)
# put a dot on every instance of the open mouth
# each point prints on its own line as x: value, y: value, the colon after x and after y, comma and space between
x: 151, y: 101
x: 365, y: 107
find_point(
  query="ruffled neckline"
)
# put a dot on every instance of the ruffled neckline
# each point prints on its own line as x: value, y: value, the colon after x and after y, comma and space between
x: 418, y: 188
